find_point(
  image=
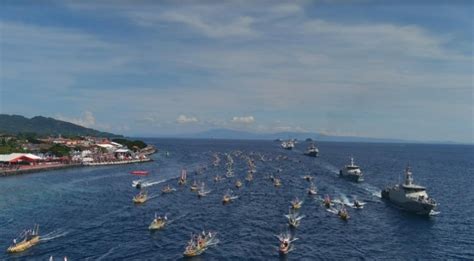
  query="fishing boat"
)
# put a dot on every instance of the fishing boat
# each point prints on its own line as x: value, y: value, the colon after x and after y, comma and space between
x: 158, y: 222
x: 230, y: 172
x: 343, y: 214
x: 357, y: 204
x: 276, y: 182
x: 140, y: 172
x: 137, y: 183
x: 296, y: 203
x: 286, y: 243
x: 217, y: 178
x: 200, y: 243
x: 141, y: 197
x: 312, y: 190
x: 249, y: 176
x: 308, y: 177
x: 238, y: 183
x: 182, y: 178
x: 294, y: 219
x: 167, y: 189
x: 327, y: 201
x: 312, y: 150
x: 194, y: 186
x: 288, y: 145
x: 202, y: 192
x: 228, y: 197
x: 27, y: 239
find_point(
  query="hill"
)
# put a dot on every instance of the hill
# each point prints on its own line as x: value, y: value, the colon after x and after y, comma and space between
x: 15, y: 124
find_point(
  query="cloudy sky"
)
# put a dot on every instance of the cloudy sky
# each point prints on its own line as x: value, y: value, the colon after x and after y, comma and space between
x: 139, y: 68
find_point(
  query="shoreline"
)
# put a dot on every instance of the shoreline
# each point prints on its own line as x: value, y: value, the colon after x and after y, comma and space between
x: 43, y: 168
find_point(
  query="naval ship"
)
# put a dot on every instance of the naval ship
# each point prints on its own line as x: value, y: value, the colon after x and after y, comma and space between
x: 410, y: 196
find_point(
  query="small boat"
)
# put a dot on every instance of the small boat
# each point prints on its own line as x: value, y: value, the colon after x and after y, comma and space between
x: 167, y: 189
x: 141, y: 197
x: 327, y: 201
x: 357, y: 204
x: 308, y: 177
x: 27, y: 239
x: 249, y: 176
x: 312, y: 190
x: 286, y: 243
x: 296, y: 203
x: 288, y: 145
x: 217, y: 178
x: 158, y: 223
x: 194, y: 186
x: 140, y: 172
x: 276, y: 182
x: 238, y: 183
x: 137, y: 183
x: 312, y: 150
x: 228, y: 197
x: 294, y: 219
x: 200, y: 243
x: 182, y: 178
x: 343, y: 214
x: 230, y: 172
x: 202, y: 192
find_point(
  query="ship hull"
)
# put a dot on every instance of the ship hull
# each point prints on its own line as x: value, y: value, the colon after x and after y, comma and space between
x: 407, y: 204
x: 351, y: 177
x: 311, y: 154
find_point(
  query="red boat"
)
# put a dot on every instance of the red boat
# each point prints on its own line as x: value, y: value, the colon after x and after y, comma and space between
x: 140, y: 172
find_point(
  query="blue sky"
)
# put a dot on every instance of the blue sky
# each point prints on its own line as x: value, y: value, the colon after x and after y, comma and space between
x: 359, y: 68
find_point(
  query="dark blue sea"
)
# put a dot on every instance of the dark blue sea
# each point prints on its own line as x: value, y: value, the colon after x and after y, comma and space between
x: 88, y: 214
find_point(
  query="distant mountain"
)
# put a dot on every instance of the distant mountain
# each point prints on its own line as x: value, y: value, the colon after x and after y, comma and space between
x: 14, y: 124
x: 244, y: 135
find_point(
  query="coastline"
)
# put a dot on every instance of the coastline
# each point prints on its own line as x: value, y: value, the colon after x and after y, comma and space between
x: 50, y: 167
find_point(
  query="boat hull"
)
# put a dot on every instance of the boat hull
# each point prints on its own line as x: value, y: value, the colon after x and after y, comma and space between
x: 24, y: 245
x: 311, y: 154
x: 410, y: 205
x: 351, y: 177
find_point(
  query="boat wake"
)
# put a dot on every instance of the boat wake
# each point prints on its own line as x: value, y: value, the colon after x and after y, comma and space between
x: 374, y: 191
x: 152, y: 183
x: 54, y: 234
x: 434, y: 213
x: 332, y: 210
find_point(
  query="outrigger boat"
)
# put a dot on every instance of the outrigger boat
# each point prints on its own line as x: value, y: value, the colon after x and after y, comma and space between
x: 228, y: 197
x: 202, y: 192
x: 158, y: 223
x: 296, y: 203
x: 238, y: 183
x: 249, y: 176
x: 194, y: 186
x: 276, y: 182
x: 200, y: 243
x: 137, y: 183
x: 140, y: 197
x: 343, y: 214
x: 327, y: 201
x: 27, y: 238
x: 312, y: 190
x: 294, y: 219
x: 286, y: 243
x: 167, y: 189
x: 217, y: 178
x: 182, y: 178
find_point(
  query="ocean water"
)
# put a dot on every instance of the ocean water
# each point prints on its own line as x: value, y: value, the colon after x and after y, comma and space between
x: 88, y: 214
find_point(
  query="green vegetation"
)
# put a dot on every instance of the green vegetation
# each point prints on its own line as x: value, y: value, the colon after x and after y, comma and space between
x: 58, y: 150
x: 9, y: 145
x: 131, y: 144
x: 29, y: 128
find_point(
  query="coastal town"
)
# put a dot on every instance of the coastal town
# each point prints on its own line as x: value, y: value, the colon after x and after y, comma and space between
x: 20, y: 154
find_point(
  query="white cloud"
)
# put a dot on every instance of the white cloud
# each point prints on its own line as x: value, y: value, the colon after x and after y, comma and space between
x: 243, y: 119
x: 86, y: 120
x: 183, y: 119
